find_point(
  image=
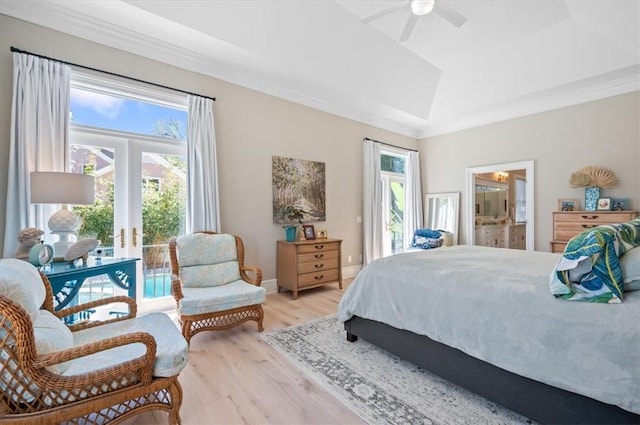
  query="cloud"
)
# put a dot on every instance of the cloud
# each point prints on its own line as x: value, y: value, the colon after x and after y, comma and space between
x: 107, y: 106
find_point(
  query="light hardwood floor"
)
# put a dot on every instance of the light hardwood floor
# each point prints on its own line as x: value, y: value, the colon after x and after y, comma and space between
x: 234, y: 377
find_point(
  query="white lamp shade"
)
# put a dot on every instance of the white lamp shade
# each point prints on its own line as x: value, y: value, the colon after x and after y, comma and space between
x: 61, y: 188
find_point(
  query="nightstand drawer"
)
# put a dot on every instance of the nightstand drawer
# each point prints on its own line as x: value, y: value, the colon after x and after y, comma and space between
x: 317, y: 266
x: 318, y: 278
x: 318, y: 256
x: 318, y: 247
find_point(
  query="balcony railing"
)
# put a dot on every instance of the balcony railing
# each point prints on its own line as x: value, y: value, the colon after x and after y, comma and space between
x: 156, y: 272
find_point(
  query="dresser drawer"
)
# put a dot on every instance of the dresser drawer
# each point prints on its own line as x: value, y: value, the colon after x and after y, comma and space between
x: 593, y: 217
x: 318, y: 278
x: 317, y: 256
x: 317, y: 266
x: 318, y: 246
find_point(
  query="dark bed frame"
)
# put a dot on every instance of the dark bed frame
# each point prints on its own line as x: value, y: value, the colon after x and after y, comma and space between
x: 537, y: 401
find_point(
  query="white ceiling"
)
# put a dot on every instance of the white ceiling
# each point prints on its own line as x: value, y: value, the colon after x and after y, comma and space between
x: 511, y: 57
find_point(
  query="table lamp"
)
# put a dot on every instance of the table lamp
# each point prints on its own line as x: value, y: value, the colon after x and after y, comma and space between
x: 62, y: 188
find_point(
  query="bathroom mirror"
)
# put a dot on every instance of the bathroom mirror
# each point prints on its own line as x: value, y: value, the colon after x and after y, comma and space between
x: 441, y: 212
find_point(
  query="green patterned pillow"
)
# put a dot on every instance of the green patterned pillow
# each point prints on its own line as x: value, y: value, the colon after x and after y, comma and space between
x: 590, y: 269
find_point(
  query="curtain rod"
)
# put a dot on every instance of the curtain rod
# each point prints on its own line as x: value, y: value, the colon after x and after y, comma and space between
x: 15, y: 49
x: 389, y: 144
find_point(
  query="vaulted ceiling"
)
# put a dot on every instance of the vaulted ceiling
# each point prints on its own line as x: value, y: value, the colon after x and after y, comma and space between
x: 509, y: 57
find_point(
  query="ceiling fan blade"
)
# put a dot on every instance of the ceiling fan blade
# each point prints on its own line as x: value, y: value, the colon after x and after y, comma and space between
x: 408, y: 28
x: 449, y: 15
x: 384, y: 12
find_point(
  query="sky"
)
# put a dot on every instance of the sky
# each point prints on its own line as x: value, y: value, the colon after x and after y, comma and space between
x: 99, y: 110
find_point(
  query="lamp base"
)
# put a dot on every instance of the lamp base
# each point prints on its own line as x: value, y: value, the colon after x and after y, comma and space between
x: 61, y: 247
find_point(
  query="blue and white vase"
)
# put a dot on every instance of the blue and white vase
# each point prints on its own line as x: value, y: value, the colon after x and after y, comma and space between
x: 591, y: 195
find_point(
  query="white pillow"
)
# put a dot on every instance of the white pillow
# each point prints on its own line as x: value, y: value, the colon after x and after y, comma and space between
x: 630, y: 265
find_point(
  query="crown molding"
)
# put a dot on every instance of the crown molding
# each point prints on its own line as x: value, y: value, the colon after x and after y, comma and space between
x: 615, y: 83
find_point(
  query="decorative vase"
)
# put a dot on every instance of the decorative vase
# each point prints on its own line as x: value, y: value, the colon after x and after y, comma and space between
x: 591, y: 195
x: 290, y: 233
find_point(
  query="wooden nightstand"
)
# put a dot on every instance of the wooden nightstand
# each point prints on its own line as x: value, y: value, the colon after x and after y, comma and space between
x: 309, y: 264
x: 567, y: 224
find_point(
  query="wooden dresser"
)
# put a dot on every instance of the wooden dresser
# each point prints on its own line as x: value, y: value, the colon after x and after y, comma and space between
x: 308, y: 264
x: 567, y: 224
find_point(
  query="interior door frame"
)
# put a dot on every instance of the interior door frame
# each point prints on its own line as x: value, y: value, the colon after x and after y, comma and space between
x: 470, y: 193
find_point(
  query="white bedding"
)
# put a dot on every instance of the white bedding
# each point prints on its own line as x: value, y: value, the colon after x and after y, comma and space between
x: 494, y: 304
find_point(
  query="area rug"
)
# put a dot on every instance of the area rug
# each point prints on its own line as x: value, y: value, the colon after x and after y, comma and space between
x: 378, y: 386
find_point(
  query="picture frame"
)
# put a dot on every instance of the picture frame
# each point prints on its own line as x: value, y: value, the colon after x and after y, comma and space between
x: 322, y: 234
x: 309, y: 231
x: 604, y: 204
x: 619, y: 204
x: 568, y: 204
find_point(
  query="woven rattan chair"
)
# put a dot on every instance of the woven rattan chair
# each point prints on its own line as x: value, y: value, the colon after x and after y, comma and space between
x: 87, y: 373
x: 210, y: 283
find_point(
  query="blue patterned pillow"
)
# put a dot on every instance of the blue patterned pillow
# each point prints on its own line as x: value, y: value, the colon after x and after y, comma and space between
x: 426, y: 238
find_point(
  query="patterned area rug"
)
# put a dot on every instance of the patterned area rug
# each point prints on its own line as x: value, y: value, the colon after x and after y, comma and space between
x: 378, y: 386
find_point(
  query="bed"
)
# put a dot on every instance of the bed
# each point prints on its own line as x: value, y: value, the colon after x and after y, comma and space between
x: 484, y: 318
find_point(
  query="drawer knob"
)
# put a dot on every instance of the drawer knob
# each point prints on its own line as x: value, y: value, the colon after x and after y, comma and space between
x: 319, y: 255
x: 319, y: 246
x: 589, y: 217
x: 588, y: 226
x: 319, y: 277
x: 319, y: 266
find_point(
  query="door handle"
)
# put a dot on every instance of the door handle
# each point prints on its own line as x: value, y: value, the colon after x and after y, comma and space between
x: 134, y: 236
x: 121, y: 236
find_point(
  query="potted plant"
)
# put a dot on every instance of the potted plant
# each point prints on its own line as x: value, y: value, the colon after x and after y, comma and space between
x: 292, y: 213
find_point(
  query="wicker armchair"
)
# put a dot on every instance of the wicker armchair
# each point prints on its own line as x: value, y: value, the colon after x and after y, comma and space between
x: 210, y: 283
x: 87, y: 373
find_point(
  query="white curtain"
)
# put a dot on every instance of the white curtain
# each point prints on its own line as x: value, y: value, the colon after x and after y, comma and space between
x: 413, y: 218
x: 38, y: 139
x: 372, y: 206
x: 203, y: 206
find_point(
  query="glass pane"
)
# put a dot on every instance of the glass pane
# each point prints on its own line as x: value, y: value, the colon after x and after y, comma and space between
x: 121, y: 114
x: 164, y: 200
x: 393, y: 164
x: 397, y: 216
x: 97, y: 219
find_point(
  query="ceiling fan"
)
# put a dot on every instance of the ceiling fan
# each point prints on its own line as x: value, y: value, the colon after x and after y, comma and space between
x: 420, y: 8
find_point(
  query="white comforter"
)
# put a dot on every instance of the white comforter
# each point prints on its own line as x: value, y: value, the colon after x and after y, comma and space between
x: 494, y: 304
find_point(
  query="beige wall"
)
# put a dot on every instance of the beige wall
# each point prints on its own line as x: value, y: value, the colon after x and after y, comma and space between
x: 604, y: 132
x: 251, y: 127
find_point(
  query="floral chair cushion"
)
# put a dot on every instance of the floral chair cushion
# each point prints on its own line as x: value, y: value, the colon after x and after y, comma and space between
x: 207, y: 260
x: 218, y: 298
x: 21, y: 283
x: 52, y: 335
x: 171, y: 352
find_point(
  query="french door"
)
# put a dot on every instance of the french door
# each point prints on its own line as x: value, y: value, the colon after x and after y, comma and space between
x: 140, y: 203
x: 393, y: 207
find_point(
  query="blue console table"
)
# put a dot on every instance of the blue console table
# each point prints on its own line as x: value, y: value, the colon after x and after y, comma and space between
x: 67, y: 278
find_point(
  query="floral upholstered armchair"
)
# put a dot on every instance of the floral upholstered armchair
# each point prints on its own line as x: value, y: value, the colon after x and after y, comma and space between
x: 210, y: 283
x: 93, y: 372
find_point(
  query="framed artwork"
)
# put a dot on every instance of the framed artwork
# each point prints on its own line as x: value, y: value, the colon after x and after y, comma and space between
x: 568, y: 205
x: 620, y: 204
x: 297, y: 184
x: 309, y: 231
x: 322, y: 234
x: 604, y: 204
